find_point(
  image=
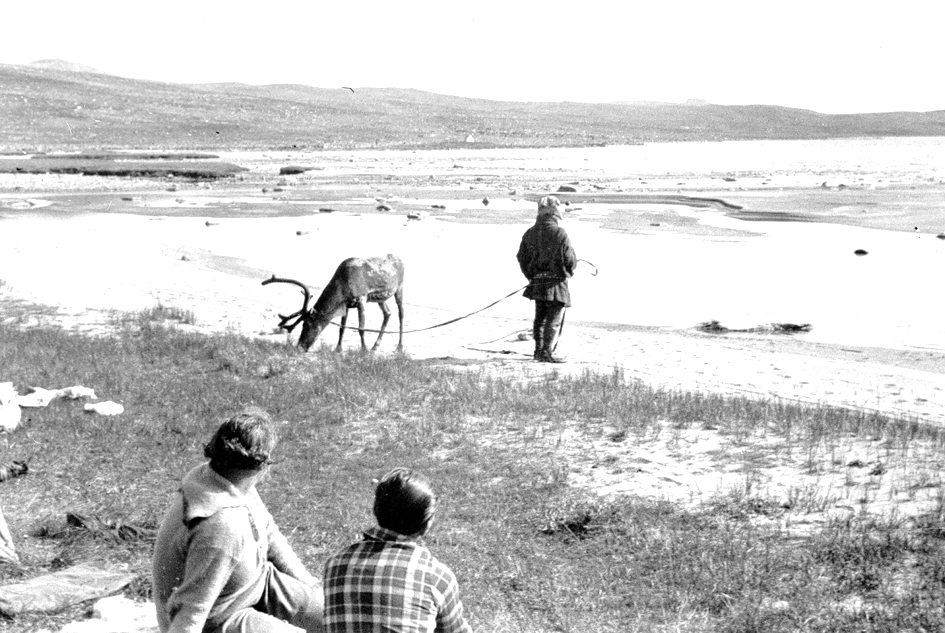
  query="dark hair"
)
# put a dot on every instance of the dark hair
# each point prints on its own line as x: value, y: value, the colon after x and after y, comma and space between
x: 404, y: 502
x: 244, y: 442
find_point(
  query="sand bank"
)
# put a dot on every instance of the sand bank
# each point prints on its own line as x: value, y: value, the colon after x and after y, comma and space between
x: 637, y: 314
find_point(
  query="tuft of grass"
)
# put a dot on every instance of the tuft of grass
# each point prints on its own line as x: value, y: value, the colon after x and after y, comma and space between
x: 158, y: 313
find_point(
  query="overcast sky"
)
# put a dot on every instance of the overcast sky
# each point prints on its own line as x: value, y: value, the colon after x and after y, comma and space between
x: 834, y: 57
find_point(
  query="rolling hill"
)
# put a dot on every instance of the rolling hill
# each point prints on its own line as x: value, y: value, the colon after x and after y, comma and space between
x: 59, y: 106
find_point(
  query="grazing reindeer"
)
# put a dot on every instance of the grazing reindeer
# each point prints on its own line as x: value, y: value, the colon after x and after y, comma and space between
x: 355, y: 282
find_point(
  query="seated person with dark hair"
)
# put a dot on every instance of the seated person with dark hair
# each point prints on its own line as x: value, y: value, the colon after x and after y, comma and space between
x: 221, y: 565
x: 389, y: 582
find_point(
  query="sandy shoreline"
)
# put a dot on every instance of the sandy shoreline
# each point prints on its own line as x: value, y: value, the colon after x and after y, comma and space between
x: 87, y: 246
x: 69, y: 261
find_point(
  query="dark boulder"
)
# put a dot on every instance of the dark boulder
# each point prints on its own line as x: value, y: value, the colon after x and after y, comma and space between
x: 291, y: 170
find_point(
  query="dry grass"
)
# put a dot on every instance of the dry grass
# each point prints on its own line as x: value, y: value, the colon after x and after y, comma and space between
x: 519, y: 464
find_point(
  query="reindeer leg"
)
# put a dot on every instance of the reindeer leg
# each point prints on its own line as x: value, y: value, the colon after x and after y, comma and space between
x: 341, y: 330
x: 361, y: 323
x: 399, y: 298
x: 380, y: 334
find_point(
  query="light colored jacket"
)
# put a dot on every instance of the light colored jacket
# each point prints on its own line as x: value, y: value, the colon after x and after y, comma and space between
x: 211, y: 553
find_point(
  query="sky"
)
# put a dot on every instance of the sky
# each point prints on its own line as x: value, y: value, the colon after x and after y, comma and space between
x: 829, y: 56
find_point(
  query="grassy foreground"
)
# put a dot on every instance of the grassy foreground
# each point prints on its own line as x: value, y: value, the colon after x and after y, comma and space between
x: 531, y: 553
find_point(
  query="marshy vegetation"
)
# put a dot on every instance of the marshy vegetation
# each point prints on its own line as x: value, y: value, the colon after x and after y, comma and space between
x: 131, y: 164
x: 532, y: 552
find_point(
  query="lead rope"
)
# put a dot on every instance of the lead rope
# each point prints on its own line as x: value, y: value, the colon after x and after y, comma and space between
x: 497, y: 301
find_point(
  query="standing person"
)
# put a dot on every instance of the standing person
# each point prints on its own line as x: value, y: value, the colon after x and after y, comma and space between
x: 547, y: 260
x: 221, y: 565
x: 389, y: 582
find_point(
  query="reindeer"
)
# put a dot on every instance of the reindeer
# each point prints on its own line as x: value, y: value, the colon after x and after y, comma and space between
x: 355, y: 282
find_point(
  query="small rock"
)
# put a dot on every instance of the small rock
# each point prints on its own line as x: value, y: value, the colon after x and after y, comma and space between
x: 105, y: 408
x: 860, y: 252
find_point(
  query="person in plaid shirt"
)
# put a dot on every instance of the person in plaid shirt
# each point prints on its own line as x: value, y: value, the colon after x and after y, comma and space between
x: 389, y: 582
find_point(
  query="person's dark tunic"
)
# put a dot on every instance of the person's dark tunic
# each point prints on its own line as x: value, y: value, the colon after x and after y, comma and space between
x: 547, y: 260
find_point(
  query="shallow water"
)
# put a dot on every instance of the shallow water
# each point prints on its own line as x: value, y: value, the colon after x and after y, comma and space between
x: 699, y: 264
x: 878, y: 159
x: 659, y: 265
x: 801, y: 273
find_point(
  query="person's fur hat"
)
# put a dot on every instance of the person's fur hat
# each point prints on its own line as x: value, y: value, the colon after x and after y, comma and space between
x: 548, y: 204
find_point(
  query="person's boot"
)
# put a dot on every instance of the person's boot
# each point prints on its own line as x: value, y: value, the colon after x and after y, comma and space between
x: 548, y: 357
x: 548, y: 345
x: 539, y: 342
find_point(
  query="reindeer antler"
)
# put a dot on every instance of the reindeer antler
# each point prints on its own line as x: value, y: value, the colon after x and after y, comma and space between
x: 284, y: 322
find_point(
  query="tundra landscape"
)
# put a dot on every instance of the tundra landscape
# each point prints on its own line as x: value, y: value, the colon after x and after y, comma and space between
x: 746, y: 435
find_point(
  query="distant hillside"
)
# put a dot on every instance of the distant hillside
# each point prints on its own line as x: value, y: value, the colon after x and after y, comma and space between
x: 60, y: 64
x: 54, y: 106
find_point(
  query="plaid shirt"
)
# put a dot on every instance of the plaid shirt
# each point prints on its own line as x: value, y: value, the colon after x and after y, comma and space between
x: 389, y: 583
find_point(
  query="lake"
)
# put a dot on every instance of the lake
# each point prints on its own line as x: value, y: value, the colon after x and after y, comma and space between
x: 673, y: 265
x: 659, y: 265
